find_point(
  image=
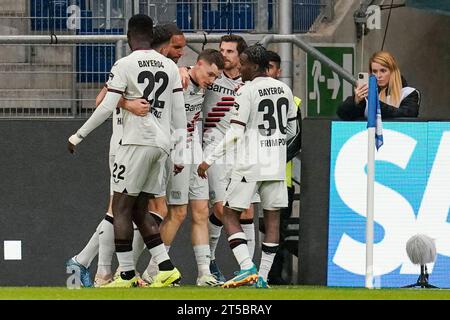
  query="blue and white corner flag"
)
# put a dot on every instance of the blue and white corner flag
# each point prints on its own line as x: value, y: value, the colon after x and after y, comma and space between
x: 374, y: 111
x: 374, y: 139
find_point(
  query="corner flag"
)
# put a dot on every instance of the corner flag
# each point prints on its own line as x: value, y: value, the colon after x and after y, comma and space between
x: 375, y: 139
x: 374, y: 112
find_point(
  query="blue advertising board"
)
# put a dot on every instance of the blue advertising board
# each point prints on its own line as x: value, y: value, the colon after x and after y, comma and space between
x: 412, y: 195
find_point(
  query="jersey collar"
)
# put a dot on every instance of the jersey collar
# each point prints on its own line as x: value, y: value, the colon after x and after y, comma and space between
x: 235, y: 78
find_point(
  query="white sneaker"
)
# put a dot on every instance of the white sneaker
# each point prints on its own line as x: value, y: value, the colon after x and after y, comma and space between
x: 208, y: 280
x: 147, y: 277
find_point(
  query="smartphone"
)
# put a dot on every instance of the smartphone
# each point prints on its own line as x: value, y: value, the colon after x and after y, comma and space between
x: 363, y: 78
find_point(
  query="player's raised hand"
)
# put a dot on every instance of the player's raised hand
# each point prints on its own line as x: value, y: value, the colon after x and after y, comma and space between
x: 139, y: 107
x: 202, y: 168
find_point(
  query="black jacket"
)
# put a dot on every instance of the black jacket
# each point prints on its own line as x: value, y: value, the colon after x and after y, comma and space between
x: 295, y: 143
x: 409, y: 107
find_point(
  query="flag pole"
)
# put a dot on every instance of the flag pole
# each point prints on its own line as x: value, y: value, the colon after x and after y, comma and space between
x: 375, y: 139
x: 370, y: 206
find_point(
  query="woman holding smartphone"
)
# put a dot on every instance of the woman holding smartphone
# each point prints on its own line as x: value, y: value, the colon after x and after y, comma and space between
x: 397, y: 99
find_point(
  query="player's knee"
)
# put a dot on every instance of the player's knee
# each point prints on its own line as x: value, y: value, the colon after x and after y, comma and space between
x: 218, y: 210
x: 158, y: 205
x: 271, y: 231
x: 123, y: 205
x: 200, y: 217
x: 200, y: 209
x: 162, y: 209
x: 178, y: 213
x: 247, y: 214
x: 272, y: 237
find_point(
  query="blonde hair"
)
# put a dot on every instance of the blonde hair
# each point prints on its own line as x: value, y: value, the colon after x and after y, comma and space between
x: 394, y: 87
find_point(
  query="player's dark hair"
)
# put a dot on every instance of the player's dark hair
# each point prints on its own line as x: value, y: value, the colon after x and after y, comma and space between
x: 212, y: 56
x: 241, y: 44
x: 272, y: 56
x: 258, y: 55
x: 172, y: 29
x: 140, y: 28
x: 160, y: 36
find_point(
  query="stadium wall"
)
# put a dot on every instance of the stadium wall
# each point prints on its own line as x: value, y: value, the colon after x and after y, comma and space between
x: 52, y: 202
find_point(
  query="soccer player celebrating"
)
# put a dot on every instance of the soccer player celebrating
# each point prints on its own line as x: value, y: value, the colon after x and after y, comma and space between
x: 169, y: 41
x: 219, y: 99
x: 292, y: 149
x: 144, y: 147
x: 264, y: 118
x: 188, y: 187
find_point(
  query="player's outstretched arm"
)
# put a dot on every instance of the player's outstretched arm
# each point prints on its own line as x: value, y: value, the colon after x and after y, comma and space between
x: 240, y: 114
x: 99, y: 116
x: 101, y: 95
x: 235, y: 132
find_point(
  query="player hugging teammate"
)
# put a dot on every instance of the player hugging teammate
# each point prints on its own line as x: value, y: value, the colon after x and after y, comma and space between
x: 217, y: 122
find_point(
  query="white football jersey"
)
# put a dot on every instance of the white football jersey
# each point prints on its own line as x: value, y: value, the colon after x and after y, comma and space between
x: 149, y: 75
x: 219, y: 99
x: 117, y: 131
x: 264, y: 106
x: 193, y: 100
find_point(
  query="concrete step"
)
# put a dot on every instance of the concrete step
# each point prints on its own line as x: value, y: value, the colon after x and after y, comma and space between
x: 13, y: 6
x: 87, y: 97
x: 13, y: 54
x: 46, y: 101
x: 34, y: 67
x: 51, y: 54
x: 40, y: 53
x: 35, y: 94
x: 14, y: 100
x: 35, y: 76
x: 12, y: 25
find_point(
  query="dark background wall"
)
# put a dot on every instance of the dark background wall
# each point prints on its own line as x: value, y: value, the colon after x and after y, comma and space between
x: 53, y: 201
x: 314, y: 198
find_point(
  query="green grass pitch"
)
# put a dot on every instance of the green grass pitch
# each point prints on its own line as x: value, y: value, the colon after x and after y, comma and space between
x: 243, y: 293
